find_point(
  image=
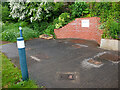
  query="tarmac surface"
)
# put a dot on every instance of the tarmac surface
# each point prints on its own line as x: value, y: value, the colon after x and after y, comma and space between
x: 64, y: 63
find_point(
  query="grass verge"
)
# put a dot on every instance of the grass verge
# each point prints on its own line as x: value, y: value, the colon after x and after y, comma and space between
x: 11, y: 76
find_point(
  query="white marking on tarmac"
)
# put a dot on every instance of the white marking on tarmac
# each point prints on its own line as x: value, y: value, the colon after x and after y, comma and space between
x: 115, y: 62
x: 100, y: 54
x: 65, y: 42
x: 35, y: 58
x: 82, y: 45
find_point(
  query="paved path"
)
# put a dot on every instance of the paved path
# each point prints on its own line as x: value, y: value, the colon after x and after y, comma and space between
x: 63, y: 63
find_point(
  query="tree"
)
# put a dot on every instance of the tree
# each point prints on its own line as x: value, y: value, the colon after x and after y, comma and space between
x: 33, y: 11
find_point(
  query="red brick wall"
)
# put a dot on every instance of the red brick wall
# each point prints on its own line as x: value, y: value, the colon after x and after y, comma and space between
x: 74, y: 30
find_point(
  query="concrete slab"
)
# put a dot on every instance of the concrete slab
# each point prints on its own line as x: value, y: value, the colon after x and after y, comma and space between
x: 110, y: 44
x: 47, y: 59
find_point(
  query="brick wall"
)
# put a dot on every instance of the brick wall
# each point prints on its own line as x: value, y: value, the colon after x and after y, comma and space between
x: 75, y: 30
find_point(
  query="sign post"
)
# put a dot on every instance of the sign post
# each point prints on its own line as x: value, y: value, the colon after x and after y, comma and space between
x: 22, y: 56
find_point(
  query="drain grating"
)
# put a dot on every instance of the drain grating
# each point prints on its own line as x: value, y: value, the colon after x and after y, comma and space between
x: 72, y: 76
x: 109, y: 56
x: 94, y: 62
x: 66, y: 77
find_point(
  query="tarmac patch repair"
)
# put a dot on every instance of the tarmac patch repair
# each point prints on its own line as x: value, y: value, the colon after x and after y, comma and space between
x: 90, y: 62
x: 88, y: 65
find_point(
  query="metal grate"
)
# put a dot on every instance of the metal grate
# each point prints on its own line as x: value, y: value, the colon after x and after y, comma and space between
x: 66, y: 77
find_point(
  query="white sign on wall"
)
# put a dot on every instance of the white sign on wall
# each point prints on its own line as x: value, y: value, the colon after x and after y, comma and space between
x: 85, y: 23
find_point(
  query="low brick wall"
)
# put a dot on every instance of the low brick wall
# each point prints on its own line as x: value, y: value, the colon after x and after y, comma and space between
x: 74, y: 29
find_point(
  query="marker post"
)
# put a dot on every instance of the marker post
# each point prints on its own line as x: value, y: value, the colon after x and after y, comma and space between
x: 22, y: 56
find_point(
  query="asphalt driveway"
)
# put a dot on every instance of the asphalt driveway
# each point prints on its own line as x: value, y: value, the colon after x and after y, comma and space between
x: 65, y: 63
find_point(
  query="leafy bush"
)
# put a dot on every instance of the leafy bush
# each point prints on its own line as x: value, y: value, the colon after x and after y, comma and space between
x: 11, y: 32
x: 34, y: 11
x: 10, y: 35
x: 62, y: 20
x: 23, y: 24
x: 105, y: 10
x: 109, y: 14
x: 79, y: 9
x: 39, y: 26
x: 5, y: 13
x: 29, y: 33
x: 57, y: 8
x: 111, y: 29
x: 50, y: 30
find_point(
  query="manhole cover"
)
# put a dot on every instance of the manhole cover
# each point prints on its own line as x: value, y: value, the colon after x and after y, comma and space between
x: 108, y: 56
x: 66, y: 77
x: 76, y: 46
x: 94, y: 62
x: 73, y: 76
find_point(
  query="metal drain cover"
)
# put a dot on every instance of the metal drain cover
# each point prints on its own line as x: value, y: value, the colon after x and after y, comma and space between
x: 66, y: 77
x: 72, y: 76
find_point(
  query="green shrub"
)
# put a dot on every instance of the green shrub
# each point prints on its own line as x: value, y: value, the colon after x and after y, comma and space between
x: 105, y: 10
x: 79, y: 9
x: 29, y: 33
x: 111, y: 29
x: 11, y: 34
x: 50, y: 30
x: 62, y: 20
x: 5, y: 14
x: 24, y: 24
x: 8, y: 26
x: 39, y: 26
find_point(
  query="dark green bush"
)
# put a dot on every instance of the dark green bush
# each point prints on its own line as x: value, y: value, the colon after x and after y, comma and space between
x: 5, y: 14
x: 23, y: 24
x: 62, y: 20
x: 29, y: 33
x: 50, y: 30
x: 11, y: 34
x: 111, y: 28
x: 109, y: 14
x: 79, y: 9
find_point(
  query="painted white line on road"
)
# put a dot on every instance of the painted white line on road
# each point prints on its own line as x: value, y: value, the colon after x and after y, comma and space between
x: 82, y: 45
x: 115, y: 62
x: 35, y: 58
x: 100, y: 54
